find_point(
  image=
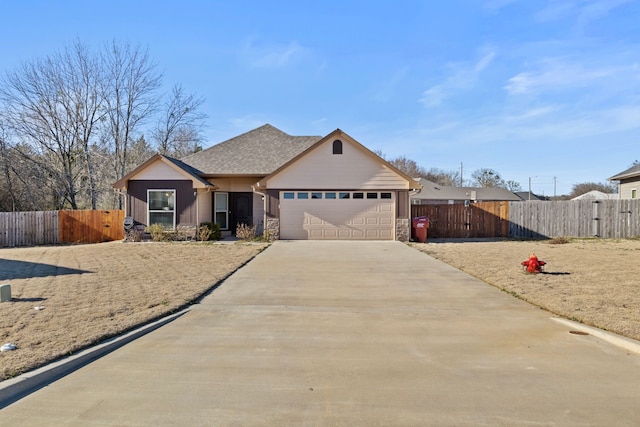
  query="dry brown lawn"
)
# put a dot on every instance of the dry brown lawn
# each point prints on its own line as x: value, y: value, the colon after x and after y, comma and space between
x: 593, y: 281
x: 92, y: 292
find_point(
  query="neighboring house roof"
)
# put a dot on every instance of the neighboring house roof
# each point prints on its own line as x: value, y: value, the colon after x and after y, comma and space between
x: 597, y: 195
x: 256, y: 153
x: 632, y: 172
x: 433, y: 191
x: 525, y: 195
x: 182, y: 168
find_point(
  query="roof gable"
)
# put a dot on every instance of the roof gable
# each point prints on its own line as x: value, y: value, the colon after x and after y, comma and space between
x: 355, y: 167
x: 258, y: 152
x: 163, y: 167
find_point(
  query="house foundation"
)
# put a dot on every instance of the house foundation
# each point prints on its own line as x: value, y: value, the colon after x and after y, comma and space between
x: 403, y: 232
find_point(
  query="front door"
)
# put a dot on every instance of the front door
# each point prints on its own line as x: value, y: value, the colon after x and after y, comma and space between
x: 241, y: 211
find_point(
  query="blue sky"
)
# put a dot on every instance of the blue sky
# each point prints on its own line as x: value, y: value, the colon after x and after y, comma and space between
x: 547, y: 91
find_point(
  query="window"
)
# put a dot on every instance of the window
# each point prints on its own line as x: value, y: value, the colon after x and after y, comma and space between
x: 345, y: 195
x: 329, y: 195
x: 337, y: 147
x: 358, y: 195
x: 303, y: 195
x: 634, y: 193
x: 161, y: 205
x: 289, y: 195
x: 316, y: 195
x: 372, y: 195
x: 385, y: 195
x: 222, y: 210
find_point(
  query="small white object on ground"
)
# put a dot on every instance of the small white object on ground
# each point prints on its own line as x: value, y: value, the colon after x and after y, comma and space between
x: 8, y: 347
x: 38, y: 308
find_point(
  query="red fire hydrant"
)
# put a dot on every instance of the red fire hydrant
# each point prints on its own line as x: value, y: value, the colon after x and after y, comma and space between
x: 533, y: 264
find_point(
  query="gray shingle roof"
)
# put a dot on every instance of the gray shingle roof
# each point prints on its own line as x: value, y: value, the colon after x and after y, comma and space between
x: 188, y: 169
x: 257, y: 152
x: 629, y: 173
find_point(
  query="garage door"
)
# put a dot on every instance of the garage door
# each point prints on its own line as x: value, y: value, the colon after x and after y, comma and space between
x: 343, y: 215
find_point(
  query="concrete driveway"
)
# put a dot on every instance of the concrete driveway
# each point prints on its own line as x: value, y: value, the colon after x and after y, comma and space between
x: 349, y: 334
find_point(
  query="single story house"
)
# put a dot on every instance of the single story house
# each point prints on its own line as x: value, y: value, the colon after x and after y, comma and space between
x: 628, y: 182
x: 432, y: 193
x: 290, y: 187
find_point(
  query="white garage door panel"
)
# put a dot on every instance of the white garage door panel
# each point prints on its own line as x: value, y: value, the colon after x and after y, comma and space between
x: 330, y: 219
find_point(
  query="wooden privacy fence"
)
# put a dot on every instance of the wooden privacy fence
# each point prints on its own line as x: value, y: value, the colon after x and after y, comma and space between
x: 28, y: 228
x: 618, y: 219
x: 486, y: 219
x: 52, y: 227
x: 537, y: 219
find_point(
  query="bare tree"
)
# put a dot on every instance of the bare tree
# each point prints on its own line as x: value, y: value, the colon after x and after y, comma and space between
x: 442, y: 177
x: 8, y: 199
x: 52, y: 104
x: 584, y: 187
x: 414, y: 170
x: 408, y: 166
x: 488, y: 178
x: 513, y: 186
x: 88, y: 108
x: 130, y: 93
x: 72, y: 124
x: 178, y: 132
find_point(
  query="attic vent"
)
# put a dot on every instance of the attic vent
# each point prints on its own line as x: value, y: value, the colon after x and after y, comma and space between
x: 337, y: 147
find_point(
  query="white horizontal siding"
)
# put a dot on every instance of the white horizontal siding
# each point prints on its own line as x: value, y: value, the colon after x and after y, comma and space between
x: 625, y: 189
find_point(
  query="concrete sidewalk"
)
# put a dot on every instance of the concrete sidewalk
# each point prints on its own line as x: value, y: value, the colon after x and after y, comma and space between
x: 349, y: 333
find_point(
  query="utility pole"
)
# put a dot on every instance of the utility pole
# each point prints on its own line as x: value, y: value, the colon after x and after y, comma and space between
x: 460, y: 174
x: 555, y: 181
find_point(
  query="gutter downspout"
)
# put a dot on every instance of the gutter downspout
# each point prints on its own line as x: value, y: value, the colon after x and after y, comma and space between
x: 124, y: 196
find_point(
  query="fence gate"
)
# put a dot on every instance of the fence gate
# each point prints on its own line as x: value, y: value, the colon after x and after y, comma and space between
x: 483, y: 219
x: 90, y: 226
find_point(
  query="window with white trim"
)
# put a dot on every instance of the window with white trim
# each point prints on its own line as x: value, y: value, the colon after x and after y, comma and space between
x: 161, y: 205
x: 634, y: 193
x: 221, y: 208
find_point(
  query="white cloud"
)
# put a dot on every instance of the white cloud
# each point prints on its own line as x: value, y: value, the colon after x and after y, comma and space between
x: 531, y: 114
x: 433, y: 96
x: 581, y: 12
x: 558, y: 75
x: 462, y: 76
x: 273, y: 55
x: 484, y: 61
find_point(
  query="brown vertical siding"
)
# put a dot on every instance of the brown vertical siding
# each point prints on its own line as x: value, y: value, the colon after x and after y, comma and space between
x: 185, y: 199
x: 273, y: 204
